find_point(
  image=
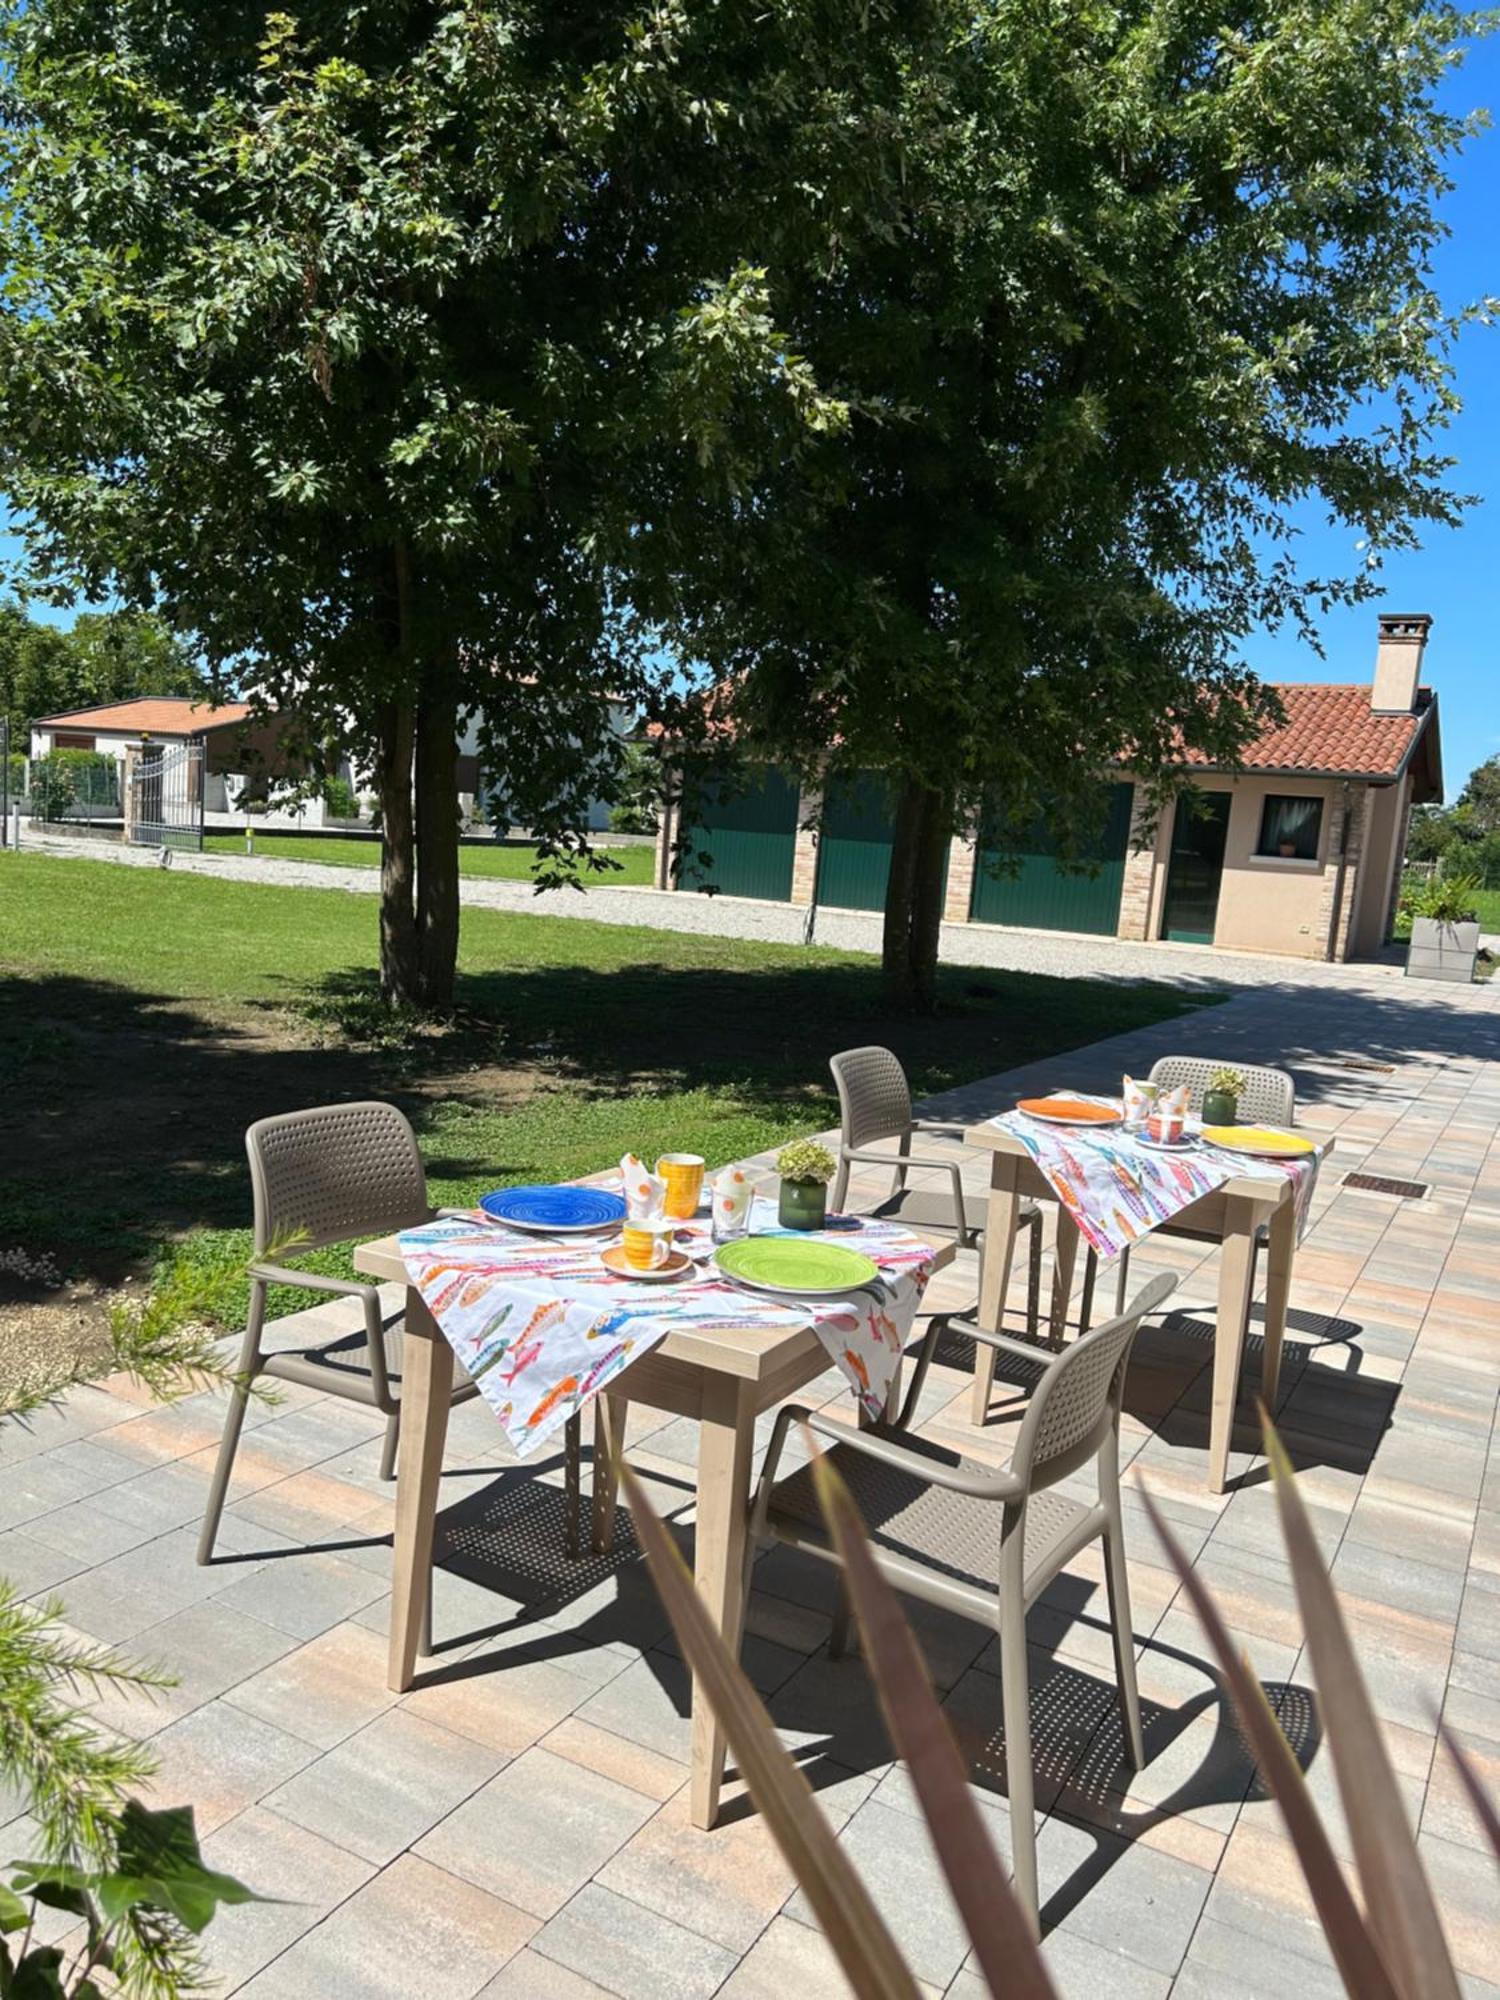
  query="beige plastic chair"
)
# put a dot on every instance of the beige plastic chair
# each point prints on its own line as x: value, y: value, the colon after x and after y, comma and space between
x: 1269, y: 1098
x: 337, y: 1173
x: 874, y: 1110
x: 985, y: 1543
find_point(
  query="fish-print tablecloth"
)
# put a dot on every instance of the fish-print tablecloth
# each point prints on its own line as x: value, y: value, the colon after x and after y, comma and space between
x: 1118, y: 1189
x: 542, y: 1326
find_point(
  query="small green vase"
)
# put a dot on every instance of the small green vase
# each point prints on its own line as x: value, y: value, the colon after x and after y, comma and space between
x: 803, y: 1204
x: 1220, y: 1107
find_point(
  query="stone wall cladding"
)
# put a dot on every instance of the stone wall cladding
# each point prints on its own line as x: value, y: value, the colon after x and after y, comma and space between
x: 963, y: 860
x: 1140, y: 874
x: 1347, y: 835
x: 805, y: 851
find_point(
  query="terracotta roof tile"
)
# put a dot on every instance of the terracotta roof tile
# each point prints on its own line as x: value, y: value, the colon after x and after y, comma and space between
x: 153, y: 714
x: 1332, y: 729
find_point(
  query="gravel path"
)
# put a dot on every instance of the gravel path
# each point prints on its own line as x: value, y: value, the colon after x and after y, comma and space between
x: 1059, y: 953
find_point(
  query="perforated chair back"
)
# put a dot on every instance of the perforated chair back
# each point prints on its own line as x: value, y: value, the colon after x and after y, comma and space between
x: 874, y: 1098
x: 334, y: 1172
x: 1074, y: 1407
x: 1268, y: 1098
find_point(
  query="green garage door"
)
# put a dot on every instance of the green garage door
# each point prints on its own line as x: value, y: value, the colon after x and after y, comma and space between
x: 1042, y: 897
x: 854, y: 848
x: 749, y: 835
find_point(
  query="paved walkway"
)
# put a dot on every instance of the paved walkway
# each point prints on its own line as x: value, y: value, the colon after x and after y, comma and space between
x: 1062, y: 953
x: 515, y: 1827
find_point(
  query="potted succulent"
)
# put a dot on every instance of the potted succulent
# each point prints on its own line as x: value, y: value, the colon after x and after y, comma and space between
x: 1221, y: 1100
x: 1442, y: 915
x: 805, y: 1168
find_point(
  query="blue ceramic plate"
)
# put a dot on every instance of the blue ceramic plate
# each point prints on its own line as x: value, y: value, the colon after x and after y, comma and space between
x: 555, y: 1211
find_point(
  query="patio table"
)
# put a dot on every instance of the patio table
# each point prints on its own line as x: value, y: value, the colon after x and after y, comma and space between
x: 722, y: 1378
x: 1232, y: 1214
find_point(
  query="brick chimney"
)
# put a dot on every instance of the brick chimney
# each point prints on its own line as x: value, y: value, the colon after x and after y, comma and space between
x: 1398, y: 661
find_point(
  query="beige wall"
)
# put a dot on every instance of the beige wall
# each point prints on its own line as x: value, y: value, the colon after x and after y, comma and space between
x: 1286, y: 907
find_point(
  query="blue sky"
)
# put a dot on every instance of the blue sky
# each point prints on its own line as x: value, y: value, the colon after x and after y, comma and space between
x: 1456, y: 575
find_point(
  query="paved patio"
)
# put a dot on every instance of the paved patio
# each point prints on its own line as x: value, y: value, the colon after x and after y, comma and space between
x: 516, y: 1825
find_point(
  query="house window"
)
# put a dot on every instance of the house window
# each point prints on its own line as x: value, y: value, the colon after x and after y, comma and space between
x: 1290, y: 827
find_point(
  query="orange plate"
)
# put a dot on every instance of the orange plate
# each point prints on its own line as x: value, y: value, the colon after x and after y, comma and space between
x: 1068, y: 1111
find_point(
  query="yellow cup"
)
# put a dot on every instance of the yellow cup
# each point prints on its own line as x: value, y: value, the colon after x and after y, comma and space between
x: 683, y: 1174
x: 647, y: 1245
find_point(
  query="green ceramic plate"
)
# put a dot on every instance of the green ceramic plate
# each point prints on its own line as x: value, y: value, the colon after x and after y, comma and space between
x: 805, y: 1267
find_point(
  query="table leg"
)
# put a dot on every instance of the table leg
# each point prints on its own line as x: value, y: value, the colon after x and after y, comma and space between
x: 726, y: 1441
x: 1280, y: 1254
x: 1236, y: 1267
x: 426, y: 1391
x: 1064, y: 1260
x: 610, y: 1414
x: 994, y: 1273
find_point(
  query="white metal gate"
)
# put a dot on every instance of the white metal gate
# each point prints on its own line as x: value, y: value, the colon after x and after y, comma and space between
x: 164, y: 795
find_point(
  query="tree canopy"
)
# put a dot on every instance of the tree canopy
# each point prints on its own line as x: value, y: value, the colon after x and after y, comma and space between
x: 1155, y: 275
x: 104, y: 656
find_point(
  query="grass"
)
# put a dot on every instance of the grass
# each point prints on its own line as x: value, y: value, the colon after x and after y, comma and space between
x: 505, y: 861
x: 146, y: 1019
x: 1487, y: 908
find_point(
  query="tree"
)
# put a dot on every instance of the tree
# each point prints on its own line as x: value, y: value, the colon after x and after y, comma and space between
x: 1149, y: 277
x: 105, y: 656
x: 1480, y: 798
x: 340, y: 341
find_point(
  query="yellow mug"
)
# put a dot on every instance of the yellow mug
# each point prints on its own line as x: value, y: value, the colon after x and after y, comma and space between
x: 647, y: 1245
x: 683, y: 1174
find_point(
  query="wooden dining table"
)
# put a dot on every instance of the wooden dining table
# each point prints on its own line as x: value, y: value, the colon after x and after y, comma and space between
x: 1231, y: 1215
x: 723, y: 1379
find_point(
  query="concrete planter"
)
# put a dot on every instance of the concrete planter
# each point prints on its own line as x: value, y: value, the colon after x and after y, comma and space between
x: 1442, y: 951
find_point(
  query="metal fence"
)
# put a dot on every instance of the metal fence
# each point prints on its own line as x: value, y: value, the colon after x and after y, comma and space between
x: 75, y: 791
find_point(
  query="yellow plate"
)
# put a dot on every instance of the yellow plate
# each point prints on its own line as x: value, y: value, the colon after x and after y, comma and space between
x: 1259, y: 1139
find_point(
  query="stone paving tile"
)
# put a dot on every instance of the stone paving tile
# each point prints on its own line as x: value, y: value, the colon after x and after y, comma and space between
x: 379, y: 1791
x: 632, y: 1952
x: 535, y: 1777
x: 301, y: 1876
x: 411, y: 1933
x: 220, y: 1760
x: 538, y: 1831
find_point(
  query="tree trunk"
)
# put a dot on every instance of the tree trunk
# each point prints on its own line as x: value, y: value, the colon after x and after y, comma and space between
x: 399, y: 966
x: 914, y: 900
x: 437, y: 849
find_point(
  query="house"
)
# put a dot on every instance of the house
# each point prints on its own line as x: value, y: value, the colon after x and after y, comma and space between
x: 235, y: 750
x: 1296, y: 853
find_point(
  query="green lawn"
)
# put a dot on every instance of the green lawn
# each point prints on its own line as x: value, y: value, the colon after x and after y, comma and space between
x: 507, y: 861
x: 146, y: 1018
x: 1487, y: 905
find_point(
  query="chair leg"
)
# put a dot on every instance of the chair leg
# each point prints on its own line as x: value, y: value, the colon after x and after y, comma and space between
x: 572, y: 1486
x: 1090, y: 1278
x: 1122, y: 1281
x: 1034, y: 1280
x: 1015, y: 1695
x: 392, y: 1440
x: 424, y: 1636
x: 223, y: 1466
x: 1118, y: 1579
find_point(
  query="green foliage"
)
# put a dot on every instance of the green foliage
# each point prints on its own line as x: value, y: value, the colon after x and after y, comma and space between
x: 806, y: 1160
x: 53, y: 788
x: 1446, y: 899
x: 1230, y: 1081
x: 339, y: 801
x: 105, y: 656
x: 1480, y: 798
x: 639, y: 791
x: 134, y: 1877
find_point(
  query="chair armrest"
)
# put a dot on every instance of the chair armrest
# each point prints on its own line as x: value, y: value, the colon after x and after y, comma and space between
x: 1004, y: 1343
x: 867, y: 1156
x: 311, y: 1281
x: 346, y: 1288
x: 998, y: 1486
